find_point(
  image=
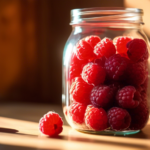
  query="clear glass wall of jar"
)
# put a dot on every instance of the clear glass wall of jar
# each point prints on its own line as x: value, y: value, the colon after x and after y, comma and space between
x: 105, y: 71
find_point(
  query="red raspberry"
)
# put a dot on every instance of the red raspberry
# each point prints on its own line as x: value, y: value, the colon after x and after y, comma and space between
x: 139, y: 116
x: 93, y: 74
x: 145, y: 64
x: 118, y: 118
x: 138, y: 88
x: 144, y: 86
x: 144, y: 96
x: 75, y: 71
x: 100, y: 61
x: 124, y: 55
x: 80, y: 91
x: 102, y: 96
x: 137, y: 95
x: 84, y: 50
x: 92, y: 40
x: 75, y: 60
x: 76, y: 112
x: 120, y: 43
x: 126, y: 97
x: 145, y: 56
x: 96, y: 118
x: 116, y: 66
x: 137, y: 49
x: 136, y: 73
x: 115, y: 86
x: 105, y: 48
x: 51, y: 124
x: 76, y: 66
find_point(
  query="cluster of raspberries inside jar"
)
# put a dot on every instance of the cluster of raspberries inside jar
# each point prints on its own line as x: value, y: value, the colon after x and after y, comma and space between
x: 108, y: 84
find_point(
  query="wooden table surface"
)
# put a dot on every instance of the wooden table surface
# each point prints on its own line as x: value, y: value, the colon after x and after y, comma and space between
x: 19, y: 131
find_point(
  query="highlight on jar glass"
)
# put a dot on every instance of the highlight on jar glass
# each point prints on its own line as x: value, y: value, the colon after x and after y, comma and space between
x: 105, y: 71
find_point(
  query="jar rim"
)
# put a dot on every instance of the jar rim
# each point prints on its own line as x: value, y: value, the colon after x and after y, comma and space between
x: 104, y: 10
x: 106, y: 14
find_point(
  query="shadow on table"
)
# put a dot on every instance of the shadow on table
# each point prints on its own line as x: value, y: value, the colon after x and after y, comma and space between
x: 8, y: 130
x: 12, y: 147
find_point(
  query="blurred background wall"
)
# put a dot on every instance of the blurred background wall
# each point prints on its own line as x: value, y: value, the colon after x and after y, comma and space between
x: 32, y: 37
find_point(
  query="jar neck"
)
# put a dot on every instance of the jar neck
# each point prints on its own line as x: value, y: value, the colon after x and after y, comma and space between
x: 98, y: 29
x: 103, y: 26
x: 109, y: 25
x: 106, y: 16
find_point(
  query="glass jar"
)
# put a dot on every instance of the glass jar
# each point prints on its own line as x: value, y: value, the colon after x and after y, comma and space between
x: 105, y: 71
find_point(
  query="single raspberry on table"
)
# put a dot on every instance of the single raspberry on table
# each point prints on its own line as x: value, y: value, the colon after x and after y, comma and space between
x: 139, y: 116
x: 137, y: 50
x: 51, y: 124
x: 84, y: 50
x: 120, y: 43
x: 136, y: 73
x: 118, y: 118
x: 116, y: 66
x: 80, y: 91
x: 96, y: 118
x: 105, y: 48
x: 92, y: 40
x: 126, y: 97
x: 102, y: 96
x: 77, y: 112
x: 93, y: 73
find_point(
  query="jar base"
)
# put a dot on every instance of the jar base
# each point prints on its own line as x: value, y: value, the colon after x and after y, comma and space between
x: 110, y: 132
